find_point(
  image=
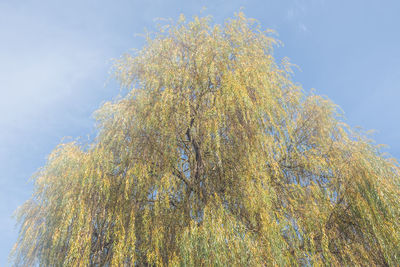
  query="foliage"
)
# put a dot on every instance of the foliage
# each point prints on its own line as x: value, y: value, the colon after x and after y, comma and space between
x: 214, y: 158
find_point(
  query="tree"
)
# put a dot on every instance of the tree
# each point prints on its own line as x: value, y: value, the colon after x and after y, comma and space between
x: 215, y: 157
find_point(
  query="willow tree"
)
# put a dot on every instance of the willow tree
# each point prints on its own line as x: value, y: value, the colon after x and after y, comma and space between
x: 215, y: 157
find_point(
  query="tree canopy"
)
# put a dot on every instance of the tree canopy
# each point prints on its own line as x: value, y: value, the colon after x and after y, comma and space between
x: 215, y: 157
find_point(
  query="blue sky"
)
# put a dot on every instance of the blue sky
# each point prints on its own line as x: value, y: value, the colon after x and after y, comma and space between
x: 55, y: 58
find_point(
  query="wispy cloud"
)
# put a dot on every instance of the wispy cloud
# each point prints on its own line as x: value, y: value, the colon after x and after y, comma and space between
x: 295, y: 15
x: 302, y: 27
x: 297, y: 9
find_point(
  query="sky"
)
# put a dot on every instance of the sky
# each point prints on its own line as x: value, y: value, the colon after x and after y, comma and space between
x: 56, y: 56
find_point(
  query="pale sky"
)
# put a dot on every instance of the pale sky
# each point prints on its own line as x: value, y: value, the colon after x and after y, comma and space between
x: 55, y: 58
